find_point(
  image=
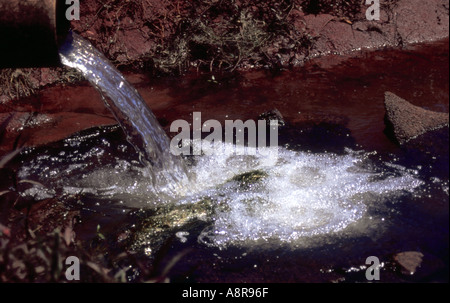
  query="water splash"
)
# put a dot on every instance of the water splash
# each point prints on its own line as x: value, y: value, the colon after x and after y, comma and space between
x: 143, y: 131
x: 289, y: 196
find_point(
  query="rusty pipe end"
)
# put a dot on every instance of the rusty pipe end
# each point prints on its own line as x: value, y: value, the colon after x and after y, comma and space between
x: 31, y: 32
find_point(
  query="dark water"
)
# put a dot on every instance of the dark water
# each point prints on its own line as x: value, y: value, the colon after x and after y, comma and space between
x: 342, y: 193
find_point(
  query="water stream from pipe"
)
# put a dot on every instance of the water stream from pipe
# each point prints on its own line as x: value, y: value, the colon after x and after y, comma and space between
x: 140, y: 125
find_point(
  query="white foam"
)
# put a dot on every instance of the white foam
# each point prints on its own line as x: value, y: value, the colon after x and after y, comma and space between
x: 303, y: 194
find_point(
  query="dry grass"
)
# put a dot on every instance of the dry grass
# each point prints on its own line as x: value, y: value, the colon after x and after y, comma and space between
x: 222, y: 35
x: 211, y: 35
x: 16, y: 83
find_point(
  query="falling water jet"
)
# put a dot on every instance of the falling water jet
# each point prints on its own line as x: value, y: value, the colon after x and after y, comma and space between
x: 167, y: 172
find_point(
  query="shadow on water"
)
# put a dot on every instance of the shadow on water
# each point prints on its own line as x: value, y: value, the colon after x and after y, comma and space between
x: 333, y: 108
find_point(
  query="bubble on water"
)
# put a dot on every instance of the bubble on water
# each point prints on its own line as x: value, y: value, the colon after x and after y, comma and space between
x: 301, y: 195
x: 276, y: 194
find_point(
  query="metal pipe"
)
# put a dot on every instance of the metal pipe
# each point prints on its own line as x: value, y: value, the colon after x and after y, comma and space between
x: 31, y: 32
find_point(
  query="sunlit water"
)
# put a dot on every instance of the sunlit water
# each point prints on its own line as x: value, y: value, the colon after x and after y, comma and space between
x: 296, y: 194
x: 303, y: 195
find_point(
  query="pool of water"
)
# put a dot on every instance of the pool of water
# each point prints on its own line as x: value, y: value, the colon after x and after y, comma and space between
x: 335, y: 192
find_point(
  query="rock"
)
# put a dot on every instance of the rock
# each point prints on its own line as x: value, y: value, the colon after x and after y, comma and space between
x: 159, y: 225
x: 423, y: 135
x: 5, y: 231
x: 273, y: 115
x: 409, y: 261
x: 22, y: 129
x: 417, y: 20
x: 247, y: 180
x: 421, y: 267
x: 405, y: 121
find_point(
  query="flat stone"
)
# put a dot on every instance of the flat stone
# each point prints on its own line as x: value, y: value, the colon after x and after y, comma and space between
x: 273, y: 115
x: 19, y: 130
x: 418, y: 21
x: 407, y: 121
x: 409, y: 261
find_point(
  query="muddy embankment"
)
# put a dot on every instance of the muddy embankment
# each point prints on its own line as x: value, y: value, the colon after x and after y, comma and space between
x: 170, y: 37
x: 160, y: 38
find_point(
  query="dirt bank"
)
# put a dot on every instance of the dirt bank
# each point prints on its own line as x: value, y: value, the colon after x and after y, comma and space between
x: 170, y: 37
